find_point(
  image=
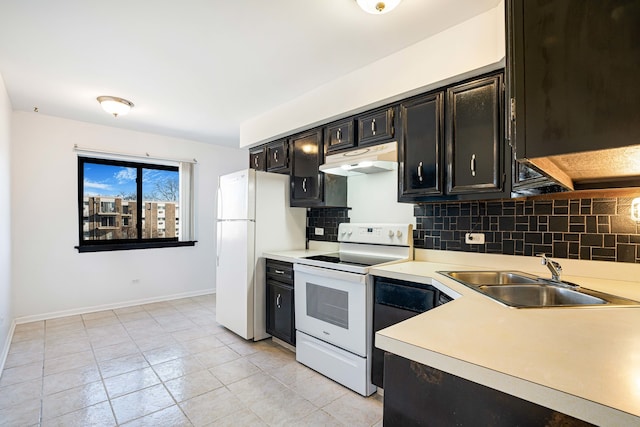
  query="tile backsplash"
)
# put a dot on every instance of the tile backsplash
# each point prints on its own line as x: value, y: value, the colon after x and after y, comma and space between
x: 328, y: 219
x: 591, y: 229
x: 599, y: 229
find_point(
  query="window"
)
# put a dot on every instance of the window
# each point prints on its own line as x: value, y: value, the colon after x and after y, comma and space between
x: 124, y: 204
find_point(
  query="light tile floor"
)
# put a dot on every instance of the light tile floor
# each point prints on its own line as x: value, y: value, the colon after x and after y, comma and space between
x: 165, y: 364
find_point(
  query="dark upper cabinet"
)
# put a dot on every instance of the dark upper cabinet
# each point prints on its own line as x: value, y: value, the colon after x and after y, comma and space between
x: 339, y: 135
x: 572, y: 71
x: 309, y: 186
x: 376, y: 126
x: 257, y: 158
x: 474, y: 137
x: 455, y: 136
x: 421, y: 147
x: 277, y: 156
x: 306, y: 182
x: 280, y: 309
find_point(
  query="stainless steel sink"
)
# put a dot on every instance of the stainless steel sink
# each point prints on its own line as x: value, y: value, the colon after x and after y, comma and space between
x: 522, y: 290
x: 491, y: 277
x: 539, y: 295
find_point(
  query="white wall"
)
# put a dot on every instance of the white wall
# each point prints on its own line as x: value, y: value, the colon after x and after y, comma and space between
x: 372, y: 198
x: 6, y: 312
x: 50, y: 277
x: 472, y: 47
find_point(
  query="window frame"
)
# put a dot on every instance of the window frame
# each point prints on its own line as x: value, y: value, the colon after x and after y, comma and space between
x: 123, y: 244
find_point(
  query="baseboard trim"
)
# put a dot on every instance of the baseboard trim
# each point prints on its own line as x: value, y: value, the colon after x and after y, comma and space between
x: 91, y: 309
x: 7, y: 344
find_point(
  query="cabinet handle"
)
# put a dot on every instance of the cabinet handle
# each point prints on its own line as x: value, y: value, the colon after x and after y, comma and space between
x: 473, y: 165
x: 279, y: 301
x: 420, y: 172
x: 255, y: 161
x: 339, y: 135
x: 279, y: 272
x: 275, y: 156
x: 304, y: 185
x: 373, y: 126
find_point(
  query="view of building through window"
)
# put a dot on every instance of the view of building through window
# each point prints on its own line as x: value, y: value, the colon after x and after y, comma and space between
x: 110, y: 202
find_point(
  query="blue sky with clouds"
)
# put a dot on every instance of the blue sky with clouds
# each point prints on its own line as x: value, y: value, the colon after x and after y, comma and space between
x: 110, y: 181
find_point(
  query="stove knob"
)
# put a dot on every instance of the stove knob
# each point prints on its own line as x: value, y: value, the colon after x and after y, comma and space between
x: 390, y: 233
x: 399, y: 234
x: 349, y: 232
x: 342, y: 233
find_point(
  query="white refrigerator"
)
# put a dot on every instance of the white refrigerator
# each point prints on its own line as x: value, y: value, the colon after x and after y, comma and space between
x: 253, y: 217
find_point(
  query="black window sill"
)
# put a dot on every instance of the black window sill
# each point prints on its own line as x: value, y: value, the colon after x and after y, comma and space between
x: 130, y: 246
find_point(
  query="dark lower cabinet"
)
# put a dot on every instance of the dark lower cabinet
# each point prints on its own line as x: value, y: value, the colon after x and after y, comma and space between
x: 280, y: 301
x: 419, y: 395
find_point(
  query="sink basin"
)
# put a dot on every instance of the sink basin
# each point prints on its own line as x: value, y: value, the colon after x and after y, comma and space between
x: 538, y: 295
x: 491, y: 277
x: 522, y: 290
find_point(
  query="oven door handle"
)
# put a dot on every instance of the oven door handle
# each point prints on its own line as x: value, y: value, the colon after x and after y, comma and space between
x: 329, y: 273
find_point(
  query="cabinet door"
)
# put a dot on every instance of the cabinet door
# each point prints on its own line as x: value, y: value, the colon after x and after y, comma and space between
x: 339, y: 136
x: 257, y: 158
x: 306, y: 180
x: 277, y: 156
x: 573, y: 71
x: 422, y: 139
x: 280, y: 311
x: 376, y: 127
x: 474, y: 136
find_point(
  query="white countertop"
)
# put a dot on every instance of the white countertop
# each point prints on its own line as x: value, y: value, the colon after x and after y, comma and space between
x: 584, y: 362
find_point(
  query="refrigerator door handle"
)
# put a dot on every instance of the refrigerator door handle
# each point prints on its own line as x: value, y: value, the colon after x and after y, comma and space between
x: 218, y: 244
x: 219, y: 201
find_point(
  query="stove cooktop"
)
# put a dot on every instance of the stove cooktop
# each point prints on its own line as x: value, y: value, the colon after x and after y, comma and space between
x: 351, y: 259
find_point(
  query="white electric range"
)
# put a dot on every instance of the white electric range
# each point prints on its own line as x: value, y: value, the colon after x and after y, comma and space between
x: 334, y: 301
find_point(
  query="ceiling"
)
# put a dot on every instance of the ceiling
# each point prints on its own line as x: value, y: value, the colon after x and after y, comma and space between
x: 196, y: 69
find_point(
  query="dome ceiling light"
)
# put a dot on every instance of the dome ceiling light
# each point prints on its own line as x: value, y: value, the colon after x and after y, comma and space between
x: 114, y: 105
x: 378, y: 7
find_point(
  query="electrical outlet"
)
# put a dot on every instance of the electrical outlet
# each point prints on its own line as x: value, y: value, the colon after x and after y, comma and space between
x: 319, y: 231
x: 135, y: 281
x: 474, y: 238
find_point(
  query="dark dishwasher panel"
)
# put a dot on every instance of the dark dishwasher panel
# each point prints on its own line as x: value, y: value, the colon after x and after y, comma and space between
x: 395, y: 301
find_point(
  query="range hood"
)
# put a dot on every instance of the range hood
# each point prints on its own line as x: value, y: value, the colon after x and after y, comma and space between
x: 374, y: 159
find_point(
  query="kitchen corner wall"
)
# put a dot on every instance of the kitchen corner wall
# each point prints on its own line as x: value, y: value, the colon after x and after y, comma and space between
x: 599, y: 229
x: 6, y: 293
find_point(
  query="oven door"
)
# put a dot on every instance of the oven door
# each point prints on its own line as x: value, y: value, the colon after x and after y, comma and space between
x: 332, y: 306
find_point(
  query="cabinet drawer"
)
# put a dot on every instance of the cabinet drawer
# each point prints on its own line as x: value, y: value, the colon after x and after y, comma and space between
x: 280, y: 271
x: 339, y: 136
x: 375, y: 127
x: 277, y: 156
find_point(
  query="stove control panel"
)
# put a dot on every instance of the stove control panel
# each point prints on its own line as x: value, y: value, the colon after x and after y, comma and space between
x: 380, y: 234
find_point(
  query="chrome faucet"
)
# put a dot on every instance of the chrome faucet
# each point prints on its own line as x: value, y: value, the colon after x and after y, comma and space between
x: 554, y: 267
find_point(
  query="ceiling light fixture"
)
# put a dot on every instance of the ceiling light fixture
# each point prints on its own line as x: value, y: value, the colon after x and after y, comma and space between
x: 114, y: 105
x: 378, y: 7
